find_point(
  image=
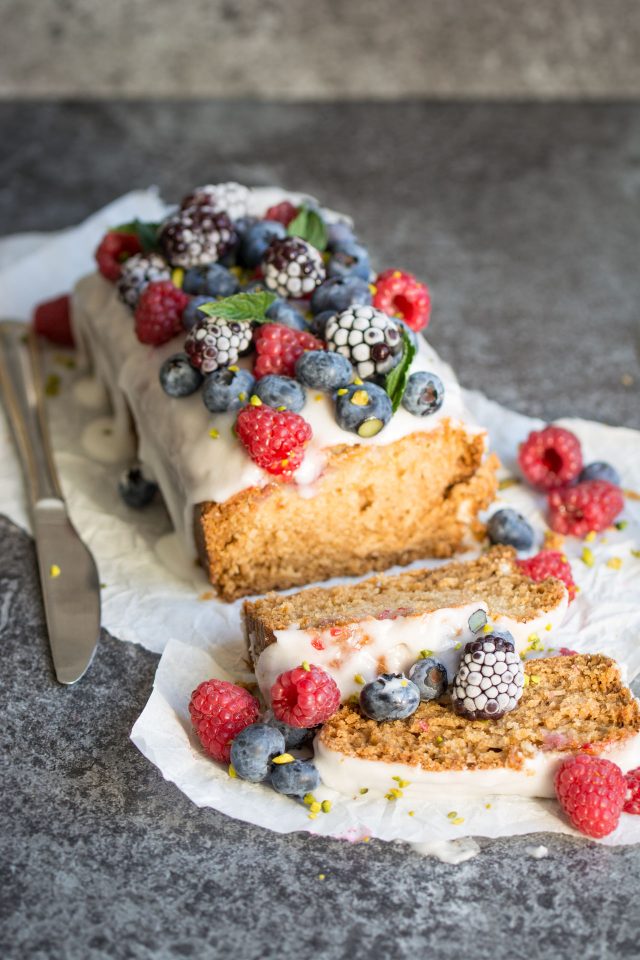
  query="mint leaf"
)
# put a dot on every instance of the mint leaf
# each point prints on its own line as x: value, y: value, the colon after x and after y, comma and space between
x: 241, y: 306
x: 309, y: 226
x: 396, y: 380
x: 146, y: 232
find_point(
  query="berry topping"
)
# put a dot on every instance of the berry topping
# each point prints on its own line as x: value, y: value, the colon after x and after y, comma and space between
x: 294, y: 737
x: 424, y: 394
x: 282, y: 212
x: 283, y: 313
x: 253, y: 749
x: 390, y: 697
x: 114, y: 249
x: 295, y: 779
x: 340, y: 293
x: 137, y: 272
x: 550, y: 458
x: 305, y: 696
x: 292, y: 267
x: 510, y: 527
x: 274, y: 440
x: 52, y: 320
x: 363, y: 409
x: 135, y: 489
x: 600, y: 471
x: 177, y: 377
x: 549, y: 563
x: 219, y: 711
x: 214, y: 343
x: 279, y: 347
x: 230, y: 198
x: 192, y: 313
x: 256, y: 239
x: 227, y: 389
x: 212, y: 280
x: 324, y: 371
x: 591, y: 791
x: 159, y: 313
x: 632, y: 799
x: 278, y: 392
x: 591, y: 505
x: 340, y: 235
x: 195, y: 236
x: 430, y: 677
x: 489, y: 680
x: 351, y: 260
x: 368, y: 338
x: 402, y: 295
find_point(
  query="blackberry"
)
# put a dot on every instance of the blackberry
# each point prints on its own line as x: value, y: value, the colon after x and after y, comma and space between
x: 490, y: 679
x: 230, y: 198
x: 138, y: 272
x: 196, y: 236
x: 292, y: 267
x: 213, y: 343
x: 368, y: 338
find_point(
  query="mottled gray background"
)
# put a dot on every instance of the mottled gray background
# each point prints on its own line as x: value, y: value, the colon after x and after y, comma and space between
x: 321, y: 49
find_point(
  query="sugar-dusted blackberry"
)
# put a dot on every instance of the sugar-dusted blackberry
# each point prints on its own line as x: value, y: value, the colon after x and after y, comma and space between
x: 214, y: 343
x: 367, y: 337
x: 138, y: 272
x: 197, y: 235
x: 231, y: 198
x: 292, y: 267
x: 490, y: 679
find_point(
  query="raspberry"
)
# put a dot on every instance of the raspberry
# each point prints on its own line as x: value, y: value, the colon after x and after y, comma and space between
x: 550, y: 458
x: 282, y: 212
x: 401, y: 295
x: 549, y: 563
x: 278, y: 347
x: 274, y: 439
x: 592, y: 793
x: 219, y: 711
x: 632, y: 800
x: 305, y: 696
x: 114, y: 249
x: 590, y: 505
x: 52, y: 319
x: 159, y: 312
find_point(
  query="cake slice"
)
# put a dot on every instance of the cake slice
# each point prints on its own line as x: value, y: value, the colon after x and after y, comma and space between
x: 383, y: 624
x: 569, y: 704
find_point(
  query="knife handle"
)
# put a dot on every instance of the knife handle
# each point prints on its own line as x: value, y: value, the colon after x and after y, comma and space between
x: 22, y: 390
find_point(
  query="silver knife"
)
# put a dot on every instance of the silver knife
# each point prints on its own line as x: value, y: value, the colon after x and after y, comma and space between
x: 68, y: 574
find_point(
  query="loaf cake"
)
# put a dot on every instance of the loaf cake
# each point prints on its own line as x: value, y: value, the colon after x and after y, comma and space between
x: 383, y: 624
x: 385, y: 469
x: 569, y: 704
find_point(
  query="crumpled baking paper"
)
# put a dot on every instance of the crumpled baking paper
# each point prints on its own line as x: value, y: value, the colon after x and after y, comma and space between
x: 154, y: 595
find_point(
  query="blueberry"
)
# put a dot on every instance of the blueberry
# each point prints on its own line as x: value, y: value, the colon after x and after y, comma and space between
x: 319, y: 322
x: 191, y: 315
x: 242, y: 224
x: 256, y: 286
x: 510, y: 527
x: 257, y: 238
x: 226, y: 389
x: 135, y: 489
x: 364, y: 409
x: 282, y: 312
x: 600, y: 471
x: 340, y: 293
x: 323, y: 371
x: 430, y: 677
x: 352, y: 260
x: 294, y: 737
x: 391, y: 697
x: 213, y: 280
x: 253, y: 749
x: 339, y: 235
x: 424, y: 394
x: 295, y: 778
x: 177, y: 377
x: 277, y: 391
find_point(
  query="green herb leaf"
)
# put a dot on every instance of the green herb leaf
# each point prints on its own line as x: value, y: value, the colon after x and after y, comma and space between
x: 396, y: 380
x: 146, y: 232
x: 241, y: 306
x: 309, y: 226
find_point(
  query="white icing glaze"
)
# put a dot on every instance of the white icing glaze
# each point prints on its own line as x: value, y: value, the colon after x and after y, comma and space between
x: 452, y: 852
x: 538, y: 853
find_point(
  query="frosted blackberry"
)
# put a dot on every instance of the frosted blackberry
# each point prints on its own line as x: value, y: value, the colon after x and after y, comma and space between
x: 231, y: 198
x: 292, y: 267
x: 212, y: 343
x: 137, y: 272
x: 490, y: 679
x: 367, y: 337
x: 197, y: 236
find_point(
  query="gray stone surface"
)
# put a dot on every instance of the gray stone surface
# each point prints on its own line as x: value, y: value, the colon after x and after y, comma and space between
x: 326, y: 49
x: 524, y: 219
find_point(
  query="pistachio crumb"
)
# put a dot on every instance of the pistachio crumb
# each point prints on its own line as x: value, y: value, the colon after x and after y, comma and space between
x: 587, y: 557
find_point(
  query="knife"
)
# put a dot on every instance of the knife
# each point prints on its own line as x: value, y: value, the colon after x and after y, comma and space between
x: 68, y: 573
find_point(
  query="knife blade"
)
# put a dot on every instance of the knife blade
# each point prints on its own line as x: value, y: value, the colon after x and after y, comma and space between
x: 68, y: 573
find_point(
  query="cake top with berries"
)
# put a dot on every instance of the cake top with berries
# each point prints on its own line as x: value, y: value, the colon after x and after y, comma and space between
x: 569, y: 703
